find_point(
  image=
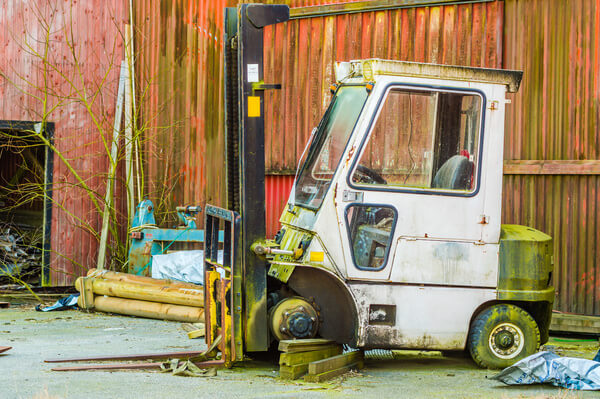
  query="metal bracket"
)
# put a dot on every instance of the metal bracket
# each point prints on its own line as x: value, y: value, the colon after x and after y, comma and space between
x: 265, y: 86
x: 352, y: 196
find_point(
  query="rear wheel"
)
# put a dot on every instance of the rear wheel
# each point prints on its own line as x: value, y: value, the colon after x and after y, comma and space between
x: 501, y: 335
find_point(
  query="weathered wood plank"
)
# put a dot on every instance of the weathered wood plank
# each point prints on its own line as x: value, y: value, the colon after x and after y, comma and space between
x: 335, y: 362
x: 303, y: 345
x: 293, y: 372
x: 575, y: 323
x: 327, y: 375
x: 551, y: 167
x: 291, y: 359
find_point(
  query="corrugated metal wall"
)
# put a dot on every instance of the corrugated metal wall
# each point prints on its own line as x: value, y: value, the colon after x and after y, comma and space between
x: 94, y: 29
x: 301, y: 53
x: 555, y: 116
x: 180, y: 75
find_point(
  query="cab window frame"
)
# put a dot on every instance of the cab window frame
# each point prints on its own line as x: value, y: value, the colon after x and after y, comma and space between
x: 391, y: 239
x: 415, y: 190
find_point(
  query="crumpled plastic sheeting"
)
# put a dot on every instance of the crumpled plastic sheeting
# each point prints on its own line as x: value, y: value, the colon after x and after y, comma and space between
x: 186, y: 368
x: 66, y: 303
x: 549, y: 368
x: 185, y: 266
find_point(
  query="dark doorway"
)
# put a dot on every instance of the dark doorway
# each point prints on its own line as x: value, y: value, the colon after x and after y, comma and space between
x: 26, y: 165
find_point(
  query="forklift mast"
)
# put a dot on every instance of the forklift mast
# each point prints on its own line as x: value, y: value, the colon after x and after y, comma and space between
x: 240, y: 291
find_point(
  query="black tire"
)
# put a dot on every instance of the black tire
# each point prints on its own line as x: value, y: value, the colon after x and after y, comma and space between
x: 502, y: 335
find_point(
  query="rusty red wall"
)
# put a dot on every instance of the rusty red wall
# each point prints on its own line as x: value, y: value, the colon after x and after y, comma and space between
x: 552, y: 176
x: 180, y: 71
x: 91, y: 61
x: 301, y: 53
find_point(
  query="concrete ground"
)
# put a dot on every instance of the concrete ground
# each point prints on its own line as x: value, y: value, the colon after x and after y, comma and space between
x: 36, y: 336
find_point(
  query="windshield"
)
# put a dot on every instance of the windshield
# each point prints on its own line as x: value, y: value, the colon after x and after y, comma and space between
x: 328, y: 146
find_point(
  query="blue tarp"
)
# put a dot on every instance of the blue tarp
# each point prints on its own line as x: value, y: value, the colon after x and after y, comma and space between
x: 549, y: 368
x: 68, y: 302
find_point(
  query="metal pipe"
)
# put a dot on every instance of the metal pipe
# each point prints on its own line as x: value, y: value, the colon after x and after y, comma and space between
x: 148, y: 292
x: 152, y: 310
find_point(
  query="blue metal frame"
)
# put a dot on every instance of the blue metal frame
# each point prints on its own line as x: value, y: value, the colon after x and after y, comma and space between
x: 152, y: 241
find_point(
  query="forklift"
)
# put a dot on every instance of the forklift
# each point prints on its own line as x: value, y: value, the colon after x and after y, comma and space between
x: 391, y: 237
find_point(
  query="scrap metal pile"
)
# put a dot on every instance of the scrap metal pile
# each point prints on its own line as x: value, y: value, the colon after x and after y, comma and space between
x: 20, y: 253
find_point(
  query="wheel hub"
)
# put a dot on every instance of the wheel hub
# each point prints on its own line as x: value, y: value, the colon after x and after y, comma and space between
x: 293, y: 318
x: 506, y: 341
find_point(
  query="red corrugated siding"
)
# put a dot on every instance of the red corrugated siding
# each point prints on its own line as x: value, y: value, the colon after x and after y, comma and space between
x: 277, y: 192
x: 95, y: 29
x: 301, y: 54
x: 180, y: 65
x: 556, y: 116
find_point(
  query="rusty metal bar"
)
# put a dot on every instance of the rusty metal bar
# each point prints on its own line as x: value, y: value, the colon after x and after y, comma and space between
x: 143, y: 356
x: 369, y: 6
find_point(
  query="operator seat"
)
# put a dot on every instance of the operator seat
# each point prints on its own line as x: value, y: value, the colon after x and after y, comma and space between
x: 455, y: 174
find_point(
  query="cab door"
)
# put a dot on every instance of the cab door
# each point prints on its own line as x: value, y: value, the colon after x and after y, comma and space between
x: 411, y: 203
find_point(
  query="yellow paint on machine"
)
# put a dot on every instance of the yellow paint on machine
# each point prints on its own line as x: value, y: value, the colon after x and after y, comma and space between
x: 317, y: 256
x: 253, y: 106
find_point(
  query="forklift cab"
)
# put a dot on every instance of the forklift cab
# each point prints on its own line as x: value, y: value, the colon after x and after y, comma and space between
x: 416, y: 169
x: 398, y: 204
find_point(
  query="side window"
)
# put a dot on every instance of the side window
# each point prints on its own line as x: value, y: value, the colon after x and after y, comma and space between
x: 371, y: 229
x: 423, y: 139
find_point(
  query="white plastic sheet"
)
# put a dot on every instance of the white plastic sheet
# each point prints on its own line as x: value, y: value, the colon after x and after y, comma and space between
x: 549, y: 368
x: 185, y: 266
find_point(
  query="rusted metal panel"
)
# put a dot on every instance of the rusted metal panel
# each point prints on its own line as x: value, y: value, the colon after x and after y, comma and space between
x: 302, y: 53
x: 93, y: 29
x: 555, y: 119
x: 180, y: 77
x: 277, y: 192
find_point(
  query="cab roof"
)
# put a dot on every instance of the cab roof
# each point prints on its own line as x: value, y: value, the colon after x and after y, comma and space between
x: 370, y: 68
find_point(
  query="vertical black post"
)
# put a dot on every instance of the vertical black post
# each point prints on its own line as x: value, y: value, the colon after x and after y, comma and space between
x: 251, y: 19
x: 48, y: 178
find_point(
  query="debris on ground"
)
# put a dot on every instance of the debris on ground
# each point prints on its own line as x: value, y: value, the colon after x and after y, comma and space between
x: 187, y: 368
x: 548, y: 368
x: 20, y: 253
x: 194, y: 330
x: 66, y: 303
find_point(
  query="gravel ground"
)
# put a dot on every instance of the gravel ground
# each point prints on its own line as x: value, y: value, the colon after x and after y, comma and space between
x: 36, y: 336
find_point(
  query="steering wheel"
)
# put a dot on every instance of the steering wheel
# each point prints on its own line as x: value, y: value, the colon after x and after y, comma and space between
x: 367, y: 175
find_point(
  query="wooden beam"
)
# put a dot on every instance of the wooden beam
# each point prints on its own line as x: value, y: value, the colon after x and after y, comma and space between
x: 368, y: 6
x: 327, y: 375
x: 292, y: 359
x: 303, y: 345
x: 551, y: 167
x: 575, y: 323
x: 332, y: 363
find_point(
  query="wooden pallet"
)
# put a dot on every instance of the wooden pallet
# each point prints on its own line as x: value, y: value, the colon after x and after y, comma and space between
x: 316, y: 360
